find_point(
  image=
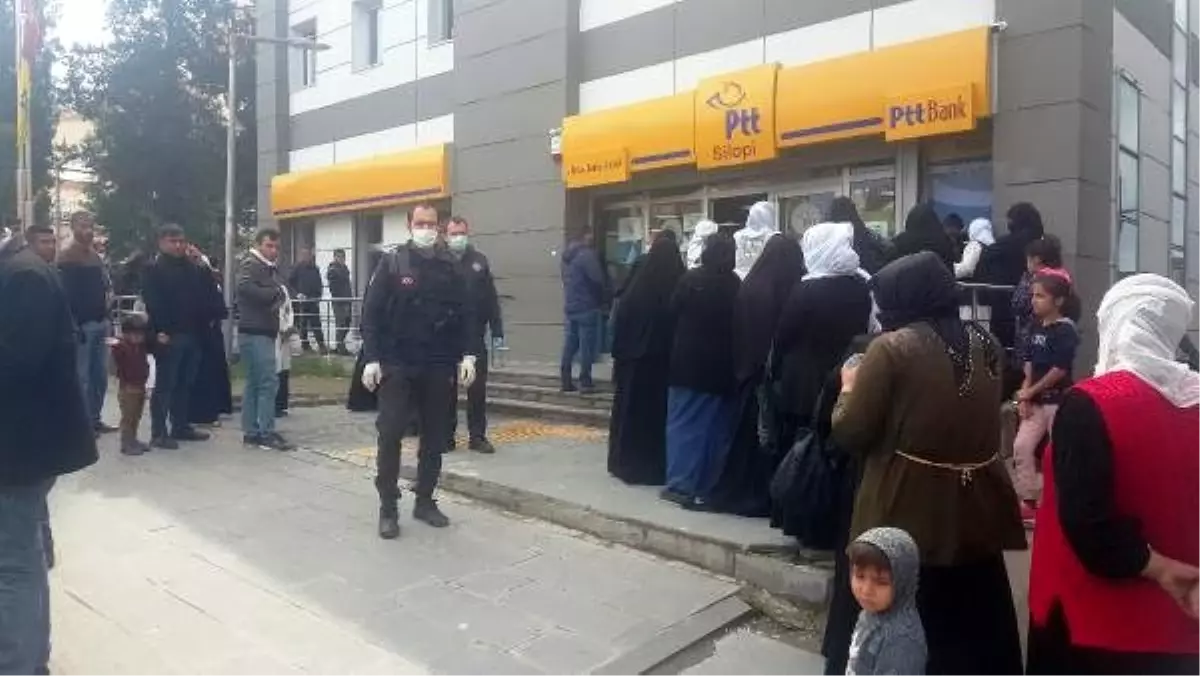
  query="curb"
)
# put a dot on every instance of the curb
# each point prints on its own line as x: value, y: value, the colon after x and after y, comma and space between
x: 803, y: 584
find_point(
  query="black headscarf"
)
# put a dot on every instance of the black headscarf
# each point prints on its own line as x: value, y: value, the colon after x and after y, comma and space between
x: 719, y: 254
x: 919, y: 289
x: 923, y: 231
x: 760, y: 301
x: 870, y: 247
x: 642, y: 324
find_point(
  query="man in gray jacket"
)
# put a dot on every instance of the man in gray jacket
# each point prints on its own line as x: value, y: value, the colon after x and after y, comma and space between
x: 260, y: 294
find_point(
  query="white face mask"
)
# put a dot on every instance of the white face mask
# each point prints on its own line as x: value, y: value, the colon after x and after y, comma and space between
x: 457, y: 243
x: 424, y: 237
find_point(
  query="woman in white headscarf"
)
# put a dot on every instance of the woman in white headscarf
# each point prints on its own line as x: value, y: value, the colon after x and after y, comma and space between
x: 761, y: 226
x: 1117, y: 532
x: 979, y: 235
x: 695, y: 248
x: 830, y: 305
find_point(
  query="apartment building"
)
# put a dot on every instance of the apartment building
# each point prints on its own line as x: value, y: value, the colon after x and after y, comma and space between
x: 539, y: 118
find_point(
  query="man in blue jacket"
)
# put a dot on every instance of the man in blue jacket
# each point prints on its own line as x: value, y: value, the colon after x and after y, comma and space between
x: 584, y: 288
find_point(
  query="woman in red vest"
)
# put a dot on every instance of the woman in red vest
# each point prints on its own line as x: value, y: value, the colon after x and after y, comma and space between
x: 1113, y: 583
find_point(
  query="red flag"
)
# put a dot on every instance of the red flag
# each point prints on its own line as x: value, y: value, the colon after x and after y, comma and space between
x: 31, y: 30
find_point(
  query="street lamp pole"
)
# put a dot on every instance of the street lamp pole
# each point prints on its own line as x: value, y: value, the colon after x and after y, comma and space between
x: 231, y: 154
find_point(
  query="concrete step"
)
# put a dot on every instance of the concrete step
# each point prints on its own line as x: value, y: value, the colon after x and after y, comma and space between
x: 536, y: 379
x: 601, y: 401
x: 591, y: 417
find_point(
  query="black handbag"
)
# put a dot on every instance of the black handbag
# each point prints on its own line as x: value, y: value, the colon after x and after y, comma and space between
x: 808, y: 482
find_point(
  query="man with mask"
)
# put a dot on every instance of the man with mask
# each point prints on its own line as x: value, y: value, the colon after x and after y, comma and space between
x: 416, y: 327
x: 485, y: 305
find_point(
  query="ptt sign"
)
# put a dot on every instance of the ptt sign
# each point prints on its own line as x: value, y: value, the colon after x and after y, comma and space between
x: 939, y: 112
x: 735, y: 118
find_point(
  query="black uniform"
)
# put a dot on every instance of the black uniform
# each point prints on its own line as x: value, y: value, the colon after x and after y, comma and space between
x: 338, y: 276
x: 416, y: 324
x: 485, y: 305
x: 306, y: 279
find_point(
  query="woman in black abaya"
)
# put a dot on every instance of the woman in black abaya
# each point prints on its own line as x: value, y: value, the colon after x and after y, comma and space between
x: 923, y: 231
x: 642, y: 335
x: 212, y: 394
x: 752, y: 457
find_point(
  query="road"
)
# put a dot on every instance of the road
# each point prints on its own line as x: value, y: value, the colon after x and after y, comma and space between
x: 219, y: 559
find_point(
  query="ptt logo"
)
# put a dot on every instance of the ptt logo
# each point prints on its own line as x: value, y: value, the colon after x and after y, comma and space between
x: 928, y: 112
x: 729, y: 98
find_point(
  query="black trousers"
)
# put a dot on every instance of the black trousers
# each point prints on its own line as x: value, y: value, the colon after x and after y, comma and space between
x: 178, y: 363
x: 341, y: 317
x: 407, y: 392
x: 308, y: 318
x: 476, y: 402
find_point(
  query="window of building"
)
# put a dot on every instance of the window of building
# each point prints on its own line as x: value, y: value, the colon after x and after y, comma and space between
x: 441, y: 20
x: 1128, y: 175
x: 306, y: 58
x: 1179, y: 115
x: 366, y: 33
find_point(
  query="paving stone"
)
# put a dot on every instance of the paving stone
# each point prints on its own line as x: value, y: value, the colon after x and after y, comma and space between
x: 561, y: 652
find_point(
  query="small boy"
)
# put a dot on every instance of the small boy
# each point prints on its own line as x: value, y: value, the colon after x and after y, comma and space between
x: 885, y: 568
x: 133, y: 375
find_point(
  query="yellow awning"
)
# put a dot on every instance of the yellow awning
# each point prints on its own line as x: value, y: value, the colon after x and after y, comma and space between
x: 849, y: 96
x: 934, y: 86
x: 649, y: 135
x: 383, y: 181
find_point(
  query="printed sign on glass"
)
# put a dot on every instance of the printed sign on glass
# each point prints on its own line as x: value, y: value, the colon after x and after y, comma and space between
x: 596, y: 168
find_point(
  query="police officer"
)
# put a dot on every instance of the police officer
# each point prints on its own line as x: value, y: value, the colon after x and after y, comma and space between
x: 481, y: 293
x: 416, y: 326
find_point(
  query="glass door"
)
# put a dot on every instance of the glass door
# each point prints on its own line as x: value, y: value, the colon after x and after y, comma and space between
x: 806, y: 206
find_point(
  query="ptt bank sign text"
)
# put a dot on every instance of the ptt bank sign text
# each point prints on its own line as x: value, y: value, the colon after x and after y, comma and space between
x: 735, y: 118
x: 942, y: 111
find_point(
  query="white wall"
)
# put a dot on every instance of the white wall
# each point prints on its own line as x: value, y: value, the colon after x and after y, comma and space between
x: 904, y: 22
x: 406, y: 54
x: 396, y: 139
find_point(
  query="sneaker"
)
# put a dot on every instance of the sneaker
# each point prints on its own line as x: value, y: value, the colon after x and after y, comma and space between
x: 103, y: 428
x: 132, y: 448
x: 274, y: 441
x: 587, y: 388
x: 282, y: 413
x: 427, y: 511
x: 482, y: 446
x: 674, y: 496
x: 252, y: 440
x: 698, y: 505
x: 568, y: 387
x: 165, y: 443
x: 190, y: 434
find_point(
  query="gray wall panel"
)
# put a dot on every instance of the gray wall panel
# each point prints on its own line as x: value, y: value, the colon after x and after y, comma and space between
x: 625, y: 45
x: 521, y: 66
x: 1154, y: 18
x: 701, y: 25
x: 271, y: 111
x: 781, y: 15
x: 506, y: 116
x: 408, y: 103
x: 496, y: 26
x: 506, y: 163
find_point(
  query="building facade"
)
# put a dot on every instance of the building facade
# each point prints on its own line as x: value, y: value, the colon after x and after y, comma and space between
x: 537, y: 119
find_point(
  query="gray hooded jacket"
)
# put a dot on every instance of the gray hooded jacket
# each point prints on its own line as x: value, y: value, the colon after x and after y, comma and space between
x: 892, y: 642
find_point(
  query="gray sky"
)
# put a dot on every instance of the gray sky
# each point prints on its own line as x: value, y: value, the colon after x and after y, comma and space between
x: 82, y: 22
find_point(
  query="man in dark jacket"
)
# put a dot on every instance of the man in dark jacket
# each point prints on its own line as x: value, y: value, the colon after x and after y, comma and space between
x: 86, y: 283
x: 305, y: 282
x: 583, y: 295
x: 338, y: 276
x: 45, y: 432
x: 260, y: 295
x: 179, y: 309
x: 1003, y: 263
x: 416, y: 328
x: 481, y: 293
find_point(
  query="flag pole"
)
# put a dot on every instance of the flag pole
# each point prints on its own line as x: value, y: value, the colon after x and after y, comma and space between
x: 19, y: 194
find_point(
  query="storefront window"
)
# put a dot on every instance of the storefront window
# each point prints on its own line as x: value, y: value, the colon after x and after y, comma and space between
x: 962, y: 188
x: 680, y: 217
x: 876, y: 202
x: 621, y: 234
x: 800, y: 212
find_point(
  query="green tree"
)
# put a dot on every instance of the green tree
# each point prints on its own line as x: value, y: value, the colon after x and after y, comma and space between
x: 43, y: 116
x: 155, y: 95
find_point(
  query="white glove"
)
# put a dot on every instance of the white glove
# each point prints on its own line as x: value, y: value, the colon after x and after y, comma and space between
x: 466, y: 370
x: 371, y: 376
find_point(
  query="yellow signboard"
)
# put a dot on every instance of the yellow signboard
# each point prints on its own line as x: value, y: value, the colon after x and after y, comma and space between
x: 596, y: 168
x: 941, y: 111
x: 735, y: 118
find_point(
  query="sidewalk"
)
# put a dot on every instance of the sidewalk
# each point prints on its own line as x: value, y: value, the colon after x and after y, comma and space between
x: 558, y: 473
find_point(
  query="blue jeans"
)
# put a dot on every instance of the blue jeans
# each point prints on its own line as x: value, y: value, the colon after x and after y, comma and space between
x: 581, y: 334
x: 262, y: 382
x: 91, y: 359
x: 24, y: 589
x: 177, y: 362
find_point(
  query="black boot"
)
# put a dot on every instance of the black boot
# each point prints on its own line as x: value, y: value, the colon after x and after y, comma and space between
x: 427, y: 510
x: 389, y: 524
